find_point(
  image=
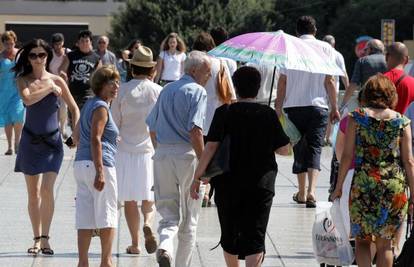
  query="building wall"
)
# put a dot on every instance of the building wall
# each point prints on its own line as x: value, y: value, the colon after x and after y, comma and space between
x: 97, y: 24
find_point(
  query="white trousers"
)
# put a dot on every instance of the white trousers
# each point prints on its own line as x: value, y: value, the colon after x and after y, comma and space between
x: 174, y: 167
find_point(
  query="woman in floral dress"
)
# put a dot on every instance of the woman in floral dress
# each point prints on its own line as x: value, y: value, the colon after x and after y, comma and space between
x: 383, y: 167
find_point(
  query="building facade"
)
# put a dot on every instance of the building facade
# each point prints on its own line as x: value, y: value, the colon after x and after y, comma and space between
x: 37, y: 18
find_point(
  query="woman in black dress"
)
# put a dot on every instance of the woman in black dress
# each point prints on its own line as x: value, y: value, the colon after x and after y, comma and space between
x: 244, y: 194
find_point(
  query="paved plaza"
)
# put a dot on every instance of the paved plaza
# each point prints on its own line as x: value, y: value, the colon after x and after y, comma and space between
x: 288, y: 241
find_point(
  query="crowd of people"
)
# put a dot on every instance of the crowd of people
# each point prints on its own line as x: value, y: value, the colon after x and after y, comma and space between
x: 146, y: 130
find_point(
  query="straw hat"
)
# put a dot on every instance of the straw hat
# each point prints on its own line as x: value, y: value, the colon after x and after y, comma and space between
x: 143, y: 57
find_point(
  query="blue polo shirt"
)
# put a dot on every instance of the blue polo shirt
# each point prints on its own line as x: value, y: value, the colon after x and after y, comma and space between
x: 180, y: 107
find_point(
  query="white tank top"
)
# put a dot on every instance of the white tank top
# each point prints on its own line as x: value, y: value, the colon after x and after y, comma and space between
x: 56, y: 62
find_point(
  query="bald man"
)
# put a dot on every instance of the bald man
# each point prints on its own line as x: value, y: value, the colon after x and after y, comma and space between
x: 396, y: 58
x: 364, y: 68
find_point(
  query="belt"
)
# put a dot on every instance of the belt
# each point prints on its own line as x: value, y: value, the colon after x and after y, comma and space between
x: 41, y: 138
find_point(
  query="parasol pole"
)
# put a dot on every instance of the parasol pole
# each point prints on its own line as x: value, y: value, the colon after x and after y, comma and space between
x: 271, y: 86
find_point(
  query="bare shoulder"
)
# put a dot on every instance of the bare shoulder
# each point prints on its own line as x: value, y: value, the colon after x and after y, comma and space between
x: 56, y: 79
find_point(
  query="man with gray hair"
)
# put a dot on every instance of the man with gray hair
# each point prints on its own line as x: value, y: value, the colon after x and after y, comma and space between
x: 176, y: 128
x: 339, y: 59
x: 106, y: 56
x: 364, y: 68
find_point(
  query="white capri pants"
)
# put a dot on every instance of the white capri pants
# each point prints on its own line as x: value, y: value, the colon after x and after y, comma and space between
x: 95, y: 209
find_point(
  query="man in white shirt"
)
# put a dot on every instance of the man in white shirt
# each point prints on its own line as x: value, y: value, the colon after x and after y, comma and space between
x: 220, y: 35
x: 345, y: 81
x: 305, y: 97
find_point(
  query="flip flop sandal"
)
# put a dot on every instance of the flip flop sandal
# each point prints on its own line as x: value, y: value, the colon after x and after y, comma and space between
x: 310, y: 202
x: 34, y: 250
x: 46, y: 251
x: 150, y: 242
x: 133, y: 250
x: 295, y: 198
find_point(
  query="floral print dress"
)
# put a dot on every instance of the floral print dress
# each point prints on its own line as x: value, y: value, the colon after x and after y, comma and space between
x: 378, y: 202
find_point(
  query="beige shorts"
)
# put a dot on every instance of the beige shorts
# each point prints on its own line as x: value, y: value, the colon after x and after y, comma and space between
x: 95, y: 209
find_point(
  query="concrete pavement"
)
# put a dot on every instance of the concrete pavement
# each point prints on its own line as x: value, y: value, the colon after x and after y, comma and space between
x: 288, y: 240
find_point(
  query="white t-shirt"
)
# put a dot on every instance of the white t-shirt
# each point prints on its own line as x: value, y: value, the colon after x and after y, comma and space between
x: 231, y: 64
x: 211, y: 88
x: 172, y: 65
x: 129, y: 110
x: 341, y: 63
x: 266, y: 73
x: 305, y: 88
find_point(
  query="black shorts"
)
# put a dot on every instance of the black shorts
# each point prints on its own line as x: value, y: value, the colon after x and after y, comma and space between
x: 243, y: 215
x: 311, y: 122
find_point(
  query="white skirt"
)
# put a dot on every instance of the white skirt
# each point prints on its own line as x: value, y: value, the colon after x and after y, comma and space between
x: 135, y: 175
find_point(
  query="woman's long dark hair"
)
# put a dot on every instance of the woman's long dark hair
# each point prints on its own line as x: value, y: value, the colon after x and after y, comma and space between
x: 23, y: 66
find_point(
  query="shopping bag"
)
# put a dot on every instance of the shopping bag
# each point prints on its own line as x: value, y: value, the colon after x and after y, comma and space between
x: 406, y: 257
x: 290, y: 129
x: 330, y: 241
x: 334, y: 134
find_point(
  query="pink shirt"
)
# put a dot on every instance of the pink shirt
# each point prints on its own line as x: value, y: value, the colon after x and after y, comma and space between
x: 343, y: 124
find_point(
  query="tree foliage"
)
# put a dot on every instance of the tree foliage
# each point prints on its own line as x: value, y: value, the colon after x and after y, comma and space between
x: 152, y: 20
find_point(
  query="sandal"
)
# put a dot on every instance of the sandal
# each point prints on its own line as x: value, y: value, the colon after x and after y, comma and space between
x: 310, y: 202
x: 150, y: 242
x: 133, y: 250
x: 9, y: 152
x: 35, y: 249
x: 47, y: 251
x: 295, y: 198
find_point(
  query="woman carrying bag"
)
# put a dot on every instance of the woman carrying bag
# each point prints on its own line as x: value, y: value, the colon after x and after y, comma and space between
x: 244, y: 194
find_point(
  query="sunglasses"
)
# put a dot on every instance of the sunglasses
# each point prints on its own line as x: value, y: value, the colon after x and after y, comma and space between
x: 113, y: 82
x: 33, y: 56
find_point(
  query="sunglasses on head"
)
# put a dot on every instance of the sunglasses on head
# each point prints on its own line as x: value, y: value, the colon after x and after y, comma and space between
x: 33, y: 56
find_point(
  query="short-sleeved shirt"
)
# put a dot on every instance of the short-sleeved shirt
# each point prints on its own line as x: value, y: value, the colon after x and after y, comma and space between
x: 267, y: 73
x: 405, y: 89
x: 180, y: 107
x: 108, y: 58
x: 81, y: 67
x: 367, y: 66
x: 172, y: 65
x: 339, y: 59
x: 307, y: 89
x: 255, y: 133
x: 213, y: 101
x: 109, y: 136
x: 135, y: 101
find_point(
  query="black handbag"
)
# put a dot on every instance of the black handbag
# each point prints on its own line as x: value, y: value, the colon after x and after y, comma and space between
x: 406, y: 257
x: 220, y: 163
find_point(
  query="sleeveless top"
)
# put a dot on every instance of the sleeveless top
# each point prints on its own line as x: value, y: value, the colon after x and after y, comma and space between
x: 56, y: 61
x: 109, y: 136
